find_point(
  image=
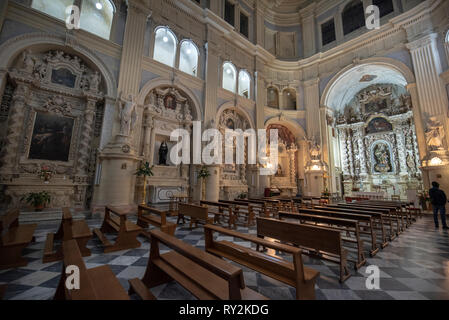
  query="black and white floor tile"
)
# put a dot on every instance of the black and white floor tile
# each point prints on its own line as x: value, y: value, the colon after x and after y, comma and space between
x: 415, y: 266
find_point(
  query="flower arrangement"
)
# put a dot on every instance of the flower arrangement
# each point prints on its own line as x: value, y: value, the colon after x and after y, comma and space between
x: 45, y: 173
x: 242, y: 195
x: 203, y: 173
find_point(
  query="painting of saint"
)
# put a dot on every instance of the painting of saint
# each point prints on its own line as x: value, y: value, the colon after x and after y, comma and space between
x: 230, y: 124
x: 378, y: 125
x: 51, y: 139
x: 170, y: 102
x: 382, y: 158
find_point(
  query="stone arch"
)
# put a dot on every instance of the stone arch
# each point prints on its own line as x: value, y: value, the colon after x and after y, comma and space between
x: 295, y: 128
x: 153, y: 84
x: 10, y: 50
x: 231, y: 106
x: 390, y: 63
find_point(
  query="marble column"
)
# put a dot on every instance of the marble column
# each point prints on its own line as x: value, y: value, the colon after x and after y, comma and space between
x: 15, y: 128
x: 417, y: 119
x: 86, y: 137
x: 312, y: 105
x: 148, y: 133
x: 213, y: 183
x: 308, y: 30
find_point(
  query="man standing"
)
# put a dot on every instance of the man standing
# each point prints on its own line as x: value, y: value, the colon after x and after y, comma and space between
x: 438, y: 199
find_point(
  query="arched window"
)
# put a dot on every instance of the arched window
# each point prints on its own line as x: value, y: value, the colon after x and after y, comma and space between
x: 188, y: 58
x: 54, y: 8
x: 165, y: 46
x: 273, y: 97
x: 244, y: 84
x: 96, y: 17
x: 353, y: 16
x: 229, y: 77
x: 289, y: 97
x: 385, y: 6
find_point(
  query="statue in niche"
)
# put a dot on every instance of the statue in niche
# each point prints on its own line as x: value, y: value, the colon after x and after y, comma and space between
x: 434, y: 134
x: 163, y: 152
x: 127, y: 114
x: 94, y: 81
x: 382, y: 158
x: 28, y: 62
x: 410, y: 162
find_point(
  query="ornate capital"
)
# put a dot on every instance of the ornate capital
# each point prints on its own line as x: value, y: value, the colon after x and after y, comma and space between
x: 427, y: 40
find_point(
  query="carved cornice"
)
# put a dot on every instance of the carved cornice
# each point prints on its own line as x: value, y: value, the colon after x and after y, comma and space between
x: 427, y: 40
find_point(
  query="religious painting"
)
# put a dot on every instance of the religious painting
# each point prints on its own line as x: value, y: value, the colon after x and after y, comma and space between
x: 378, y: 125
x: 63, y: 77
x: 51, y: 139
x: 382, y: 158
x: 170, y: 102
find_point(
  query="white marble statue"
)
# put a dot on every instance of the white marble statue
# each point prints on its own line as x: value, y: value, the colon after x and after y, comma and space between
x: 28, y: 62
x: 127, y: 114
x: 94, y: 81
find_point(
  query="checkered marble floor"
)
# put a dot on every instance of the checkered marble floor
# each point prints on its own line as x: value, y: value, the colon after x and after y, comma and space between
x: 415, y: 266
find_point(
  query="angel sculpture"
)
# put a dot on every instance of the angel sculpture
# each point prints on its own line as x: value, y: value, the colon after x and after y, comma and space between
x: 127, y: 114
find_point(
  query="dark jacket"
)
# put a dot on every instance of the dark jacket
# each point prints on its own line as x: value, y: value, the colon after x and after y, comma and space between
x: 437, y: 196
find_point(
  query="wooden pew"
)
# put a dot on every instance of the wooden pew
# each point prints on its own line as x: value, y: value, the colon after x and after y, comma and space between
x: 68, y: 230
x: 402, y: 208
x: 115, y: 221
x: 98, y: 283
x: 3, y: 288
x: 259, y: 207
x: 205, y: 276
x: 293, y: 273
x: 318, y: 242
x: 241, y: 208
x: 196, y: 213
x: 345, y: 226
x: 367, y: 221
x: 13, y: 239
x: 150, y: 216
x: 389, y: 212
x: 380, y: 221
x: 222, y: 209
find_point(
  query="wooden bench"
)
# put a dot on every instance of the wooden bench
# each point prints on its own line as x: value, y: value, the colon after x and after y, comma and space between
x: 391, y: 214
x: 395, y: 208
x: 318, y: 242
x: 205, y: 276
x: 259, y: 207
x: 3, y: 288
x: 196, y: 213
x: 242, y: 208
x: 293, y: 273
x: 222, y: 209
x: 68, y: 230
x: 366, y: 222
x: 115, y: 221
x: 150, y: 216
x: 13, y: 239
x: 380, y: 221
x: 346, y: 226
x: 98, y: 283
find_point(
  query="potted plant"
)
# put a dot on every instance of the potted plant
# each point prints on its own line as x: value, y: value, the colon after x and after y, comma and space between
x: 242, y: 196
x: 37, y: 199
x: 145, y: 171
x: 203, y: 174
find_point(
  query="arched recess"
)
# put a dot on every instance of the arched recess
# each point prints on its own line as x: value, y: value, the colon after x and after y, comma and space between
x: 388, y: 63
x: 10, y: 50
x: 231, y: 106
x: 153, y: 84
x: 295, y: 128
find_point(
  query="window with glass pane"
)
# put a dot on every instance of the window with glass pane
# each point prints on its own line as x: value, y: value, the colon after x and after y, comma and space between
x: 54, y: 8
x: 229, y: 15
x: 328, y: 32
x: 244, y: 25
x: 165, y: 47
x: 385, y: 6
x: 353, y: 17
x: 188, y: 59
x: 229, y: 77
x: 97, y: 16
x: 244, y: 84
